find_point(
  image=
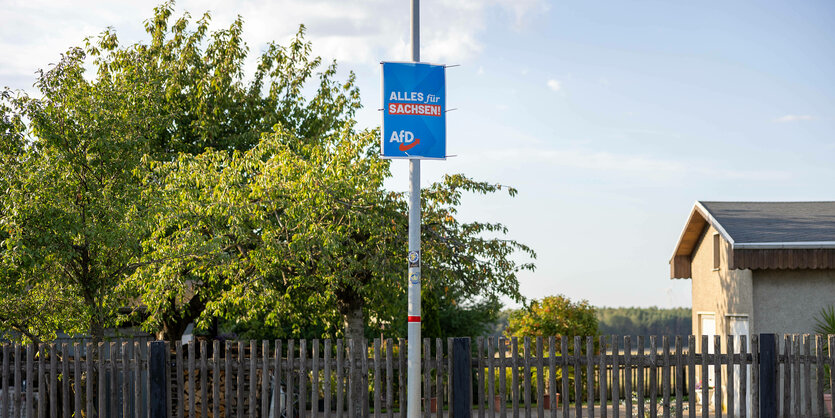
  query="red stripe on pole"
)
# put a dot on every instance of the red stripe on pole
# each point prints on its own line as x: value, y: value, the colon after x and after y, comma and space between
x: 414, y: 319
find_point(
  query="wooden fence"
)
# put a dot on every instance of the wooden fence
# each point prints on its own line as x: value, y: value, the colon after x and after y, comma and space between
x: 556, y: 376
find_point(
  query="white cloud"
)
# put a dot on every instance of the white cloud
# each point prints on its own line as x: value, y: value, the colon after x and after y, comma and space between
x: 35, y: 32
x: 642, y: 166
x: 554, y: 85
x: 793, y: 118
x: 522, y: 9
x: 593, y: 160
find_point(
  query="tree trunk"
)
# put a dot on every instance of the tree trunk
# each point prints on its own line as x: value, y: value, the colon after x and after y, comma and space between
x: 354, y: 323
x: 96, y: 324
x: 355, y: 331
x: 174, y: 322
x: 96, y: 331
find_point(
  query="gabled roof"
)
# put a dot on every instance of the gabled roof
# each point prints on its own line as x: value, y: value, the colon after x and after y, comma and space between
x: 766, y: 224
x: 763, y: 234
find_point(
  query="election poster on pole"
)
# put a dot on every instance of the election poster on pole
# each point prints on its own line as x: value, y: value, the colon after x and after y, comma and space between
x: 414, y: 111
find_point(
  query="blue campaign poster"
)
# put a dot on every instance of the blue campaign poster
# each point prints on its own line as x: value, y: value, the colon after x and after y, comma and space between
x: 414, y: 111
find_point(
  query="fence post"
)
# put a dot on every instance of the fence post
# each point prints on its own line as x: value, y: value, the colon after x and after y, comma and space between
x: 461, y: 378
x: 156, y: 370
x: 768, y: 376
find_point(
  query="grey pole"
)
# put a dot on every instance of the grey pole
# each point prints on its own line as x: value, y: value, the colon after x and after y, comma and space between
x: 414, y: 343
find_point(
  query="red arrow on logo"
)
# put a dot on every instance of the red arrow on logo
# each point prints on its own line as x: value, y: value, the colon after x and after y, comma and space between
x: 406, y: 147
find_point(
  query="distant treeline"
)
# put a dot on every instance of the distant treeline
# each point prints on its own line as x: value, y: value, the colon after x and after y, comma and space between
x: 644, y: 321
x: 628, y: 321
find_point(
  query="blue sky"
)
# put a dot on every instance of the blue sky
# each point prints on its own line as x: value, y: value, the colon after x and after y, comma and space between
x: 611, y: 118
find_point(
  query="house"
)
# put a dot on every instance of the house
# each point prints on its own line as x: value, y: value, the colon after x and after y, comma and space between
x: 757, y: 267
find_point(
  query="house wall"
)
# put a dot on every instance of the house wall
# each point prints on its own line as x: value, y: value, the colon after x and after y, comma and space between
x: 719, y: 291
x: 787, y: 301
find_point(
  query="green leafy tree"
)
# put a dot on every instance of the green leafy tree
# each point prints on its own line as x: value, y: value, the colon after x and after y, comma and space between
x: 556, y: 316
x: 70, y: 213
x: 299, y: 235
x: 553, y: 316
x: 78, y: 150
x: 468, y: 265
x: 284, y: 232
x: 154, y: 182
x: 203, y: 100
x: 203, y: 97
x: 352, y: 247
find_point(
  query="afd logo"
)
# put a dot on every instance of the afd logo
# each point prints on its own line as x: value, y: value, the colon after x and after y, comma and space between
x: 405, y: 138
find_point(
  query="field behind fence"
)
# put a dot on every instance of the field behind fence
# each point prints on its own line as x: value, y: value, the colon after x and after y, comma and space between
x: 556, y: 376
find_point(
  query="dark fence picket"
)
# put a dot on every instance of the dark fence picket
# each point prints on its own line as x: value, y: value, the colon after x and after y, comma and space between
x: 191, y: 389
x: 526, y: 375
x: 240, y: 376
x: 653, y: 376
x: 42, y: 384
x: 127, y: 353
x: 679, y: 368
x: 364, y: 376
x: 252, y: 371
x: 340, y: 385
x: 277, y: 396
x: 4, y: 384
x: 227, y: 379
x: 389, y: 378
x: 439, y: 375
x: 179, y: 381
x: 378, y: 382
x: 204, y: 379
x: 540, y: 378
x: 665, y: 376
x: 514, y: 371
x: 302, y: 378
x: 216, y: 378
x: 502, y: 348
x: 691, y: 374
x: 328, y: 375
x: 627, y: 359
x: 616, y: 395
x: 265, y: 378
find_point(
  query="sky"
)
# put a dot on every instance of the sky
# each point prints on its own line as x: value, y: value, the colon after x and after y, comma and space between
x: 611, y: 118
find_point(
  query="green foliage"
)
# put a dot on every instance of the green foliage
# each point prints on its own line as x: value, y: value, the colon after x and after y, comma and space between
x: 466, y: 265
x: 71, y: 212
x: 497, y: 327
x: 445, y: 317
x: 196, y: 79
x: 644, y: 321
x: 825, y: 321
x: 283, y: 228
x: 825, y: 325
x: 551, y: 316
x: 302, y: 236
x: 169, y: 181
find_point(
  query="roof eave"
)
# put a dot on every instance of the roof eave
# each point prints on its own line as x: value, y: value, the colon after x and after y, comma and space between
x: 699, y: 209
x: 676, y: 260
